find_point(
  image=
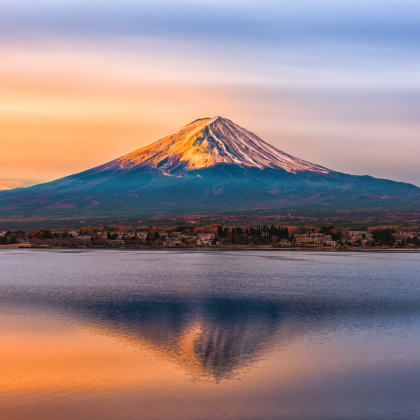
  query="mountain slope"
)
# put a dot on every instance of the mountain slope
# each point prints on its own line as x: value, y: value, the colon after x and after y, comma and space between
x: 207, y: 142
x: 210, y: 166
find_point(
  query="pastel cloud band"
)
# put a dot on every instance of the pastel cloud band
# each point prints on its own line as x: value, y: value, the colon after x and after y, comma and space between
x: 7, y: 185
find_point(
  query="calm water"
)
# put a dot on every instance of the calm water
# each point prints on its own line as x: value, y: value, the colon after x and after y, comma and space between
x: 209, y: 335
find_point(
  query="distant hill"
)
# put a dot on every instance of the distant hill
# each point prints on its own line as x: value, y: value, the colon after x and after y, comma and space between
x: 209, y: 166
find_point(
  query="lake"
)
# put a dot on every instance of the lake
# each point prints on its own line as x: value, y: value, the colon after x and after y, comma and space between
x: 192, y: 334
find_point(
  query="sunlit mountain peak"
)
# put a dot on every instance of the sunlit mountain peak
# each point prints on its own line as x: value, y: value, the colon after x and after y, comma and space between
x: 208, y: 142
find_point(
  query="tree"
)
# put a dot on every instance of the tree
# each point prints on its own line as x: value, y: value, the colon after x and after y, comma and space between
x: 42, y: 234
x: 220, y: 231
x: 182, y: 228
x: 384, y: 236
x: 225, y: 232
x: 12, y: 240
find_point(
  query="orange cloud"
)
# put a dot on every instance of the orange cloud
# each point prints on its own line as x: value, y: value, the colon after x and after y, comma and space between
x: 4, y: 185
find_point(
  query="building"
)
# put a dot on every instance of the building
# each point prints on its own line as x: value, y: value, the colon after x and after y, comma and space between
x: 314, y: 239
x: 309, y: 239
x: 207, y: 236
x: 115, y: 243
x: 359, y: 234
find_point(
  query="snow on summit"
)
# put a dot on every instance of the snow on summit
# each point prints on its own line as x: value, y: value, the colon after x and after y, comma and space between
x: 207, y: 142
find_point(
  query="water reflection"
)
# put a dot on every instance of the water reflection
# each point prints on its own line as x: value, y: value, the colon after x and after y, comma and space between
x: 214, y: 337
x: 127, y: 335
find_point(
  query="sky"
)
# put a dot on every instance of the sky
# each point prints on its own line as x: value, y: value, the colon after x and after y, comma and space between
x: 333, y: 82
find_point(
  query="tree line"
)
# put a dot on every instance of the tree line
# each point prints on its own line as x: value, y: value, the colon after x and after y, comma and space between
x: 263, y: 231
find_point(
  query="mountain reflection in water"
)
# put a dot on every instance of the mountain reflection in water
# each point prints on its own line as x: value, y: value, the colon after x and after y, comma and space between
x: 209, y: 335
x: 215, y: 337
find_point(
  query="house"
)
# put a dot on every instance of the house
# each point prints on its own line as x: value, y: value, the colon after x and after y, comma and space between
x: 309, y: 239
x: 314, y: 239
x: 359, y: 234
x: 173, y: 244
x: 207, y: 236
x: 115, y: 243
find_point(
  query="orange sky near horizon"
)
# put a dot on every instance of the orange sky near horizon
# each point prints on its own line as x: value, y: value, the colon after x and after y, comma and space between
x: 55, y: 123
x: 72, y: 101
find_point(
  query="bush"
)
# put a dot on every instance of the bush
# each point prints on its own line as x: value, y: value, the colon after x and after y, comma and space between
x: 384, y: 236
x: 182, y: 229
x: 41, y: 234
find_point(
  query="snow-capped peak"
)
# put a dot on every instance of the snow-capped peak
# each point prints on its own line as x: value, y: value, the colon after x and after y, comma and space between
x: 207, y: 142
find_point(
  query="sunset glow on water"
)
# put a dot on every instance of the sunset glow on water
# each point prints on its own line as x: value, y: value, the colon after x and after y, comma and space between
x: 206, y: 335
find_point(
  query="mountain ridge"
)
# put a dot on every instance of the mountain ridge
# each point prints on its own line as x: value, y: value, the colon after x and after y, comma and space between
x: 209, y: 141
x: 210, y: 166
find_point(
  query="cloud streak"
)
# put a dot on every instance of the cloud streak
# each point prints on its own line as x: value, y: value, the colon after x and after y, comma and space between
x: 386, y: 22
x: 7, y: 185
x: 333, y: 82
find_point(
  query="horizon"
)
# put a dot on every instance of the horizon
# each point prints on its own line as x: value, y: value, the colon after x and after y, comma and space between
x: 158, y: 263
x: 84, y: 83
x: 8, y: 185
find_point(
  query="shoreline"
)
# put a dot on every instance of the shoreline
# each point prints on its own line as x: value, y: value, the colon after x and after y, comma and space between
x: 225, y: 248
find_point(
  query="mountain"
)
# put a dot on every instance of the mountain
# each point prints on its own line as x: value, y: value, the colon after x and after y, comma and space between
x: 209, y: 166
x: 208, y: 142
